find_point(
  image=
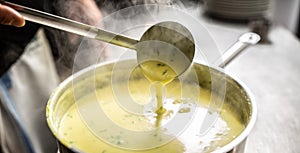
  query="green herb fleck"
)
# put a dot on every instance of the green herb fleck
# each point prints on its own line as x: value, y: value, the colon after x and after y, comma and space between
x: 164, y: 72
x: 160, y: 64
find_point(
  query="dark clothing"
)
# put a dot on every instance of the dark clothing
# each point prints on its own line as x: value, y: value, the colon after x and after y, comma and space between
x: 13, y: 40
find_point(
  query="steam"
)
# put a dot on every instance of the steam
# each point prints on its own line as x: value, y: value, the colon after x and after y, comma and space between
x: 65, y: 45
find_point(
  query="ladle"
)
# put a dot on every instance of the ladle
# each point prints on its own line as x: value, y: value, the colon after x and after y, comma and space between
x: 173, y: 37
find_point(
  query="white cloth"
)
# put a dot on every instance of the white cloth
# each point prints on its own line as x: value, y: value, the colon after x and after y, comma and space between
x: 33, y: 79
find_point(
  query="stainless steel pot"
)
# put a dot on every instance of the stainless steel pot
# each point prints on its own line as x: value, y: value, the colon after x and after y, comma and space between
x: 237, y: 97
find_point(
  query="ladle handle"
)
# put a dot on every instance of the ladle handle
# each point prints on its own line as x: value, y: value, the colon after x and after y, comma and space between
x: 71, y: 26
x: 244, y: 41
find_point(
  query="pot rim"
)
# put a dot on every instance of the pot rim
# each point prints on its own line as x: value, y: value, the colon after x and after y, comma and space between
x: 226, y: 148
x: 254, y: 110
x: 253, y: 116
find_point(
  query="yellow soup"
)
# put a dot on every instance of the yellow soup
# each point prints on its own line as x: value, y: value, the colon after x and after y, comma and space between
x: 107, y: 132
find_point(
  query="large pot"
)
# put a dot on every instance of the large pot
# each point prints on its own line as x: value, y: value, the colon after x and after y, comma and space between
x: 237, y: 98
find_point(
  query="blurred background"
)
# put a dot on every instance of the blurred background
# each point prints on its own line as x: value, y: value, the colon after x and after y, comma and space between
x: 284, y: 13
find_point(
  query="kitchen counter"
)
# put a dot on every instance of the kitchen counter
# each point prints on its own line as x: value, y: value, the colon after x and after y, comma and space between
x: 272, y: 73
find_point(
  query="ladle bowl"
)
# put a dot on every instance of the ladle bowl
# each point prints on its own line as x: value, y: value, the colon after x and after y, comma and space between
x: 169, y: 42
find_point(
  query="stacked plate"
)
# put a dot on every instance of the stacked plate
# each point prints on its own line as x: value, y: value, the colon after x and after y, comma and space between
x: 237, y: 9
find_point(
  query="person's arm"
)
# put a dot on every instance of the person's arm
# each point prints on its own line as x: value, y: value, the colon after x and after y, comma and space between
x: 9, y: 16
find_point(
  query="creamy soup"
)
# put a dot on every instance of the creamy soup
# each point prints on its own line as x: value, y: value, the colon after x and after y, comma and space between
x: 158, y: 71
x: 159, y: 74
x: 185, y: 104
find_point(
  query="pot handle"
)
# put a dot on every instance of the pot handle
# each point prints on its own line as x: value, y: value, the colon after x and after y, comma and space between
x: 244, y: 41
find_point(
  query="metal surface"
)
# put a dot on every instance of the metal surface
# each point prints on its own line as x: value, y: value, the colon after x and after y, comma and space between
x: 244, y: 41
x: 238, y: 99
x: 272, y: 73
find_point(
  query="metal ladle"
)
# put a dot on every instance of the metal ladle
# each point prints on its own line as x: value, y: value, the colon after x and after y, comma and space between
x: 173, y: 37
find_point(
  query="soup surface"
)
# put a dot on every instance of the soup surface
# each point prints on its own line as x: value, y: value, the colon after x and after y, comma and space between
x: 101, y: 122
